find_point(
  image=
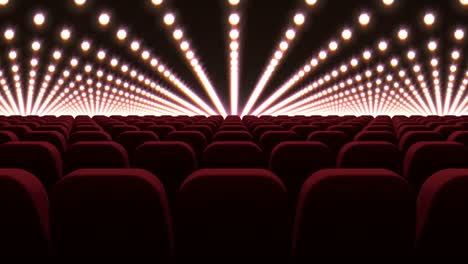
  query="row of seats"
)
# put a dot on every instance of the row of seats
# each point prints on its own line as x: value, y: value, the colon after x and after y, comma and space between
x: 173, y: 161
x: 351, y: 165
x: 201, y: 133
x: 235, y: 212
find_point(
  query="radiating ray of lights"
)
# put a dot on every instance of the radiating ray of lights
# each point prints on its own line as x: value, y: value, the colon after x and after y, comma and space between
x: 170, y: 20
x: 279, y: 54
x: 161, y: 68
x: 234, y: 20
x: 314, y: 62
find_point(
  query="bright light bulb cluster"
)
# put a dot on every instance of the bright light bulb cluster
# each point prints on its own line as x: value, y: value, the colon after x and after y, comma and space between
x: 313, y: 63
x: 429, y: 78
x: 278, y: 55
x: 234, y: 54
x: 169, y: 20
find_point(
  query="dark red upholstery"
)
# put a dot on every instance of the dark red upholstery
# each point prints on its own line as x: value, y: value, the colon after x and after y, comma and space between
x: 204, y: 129
x: 412, y: 137
x: 171, y: 162
x: 117, y: 212
x: 18, y: 130
x: 38, y: 158
x: 442, y: 214
x: 98, y: 154
x: 459, y: 136
x: 7, y: 136
x: 426, y: 158
x: 130, y: 140
x: 24, y: 224
x: 269, y: 140
x: 344, y: 212
x: 230, y: 154
x: 303, y: 131
x: 232, y: 212
x: 376, y: 136
x: 161, y: 130
x: 232, y: 136
x: 89, y: 136
x: 376, y: 154
x: 294, y: 162
x: 333, y: 139
x: 53, y: 137
x: 195, y: 139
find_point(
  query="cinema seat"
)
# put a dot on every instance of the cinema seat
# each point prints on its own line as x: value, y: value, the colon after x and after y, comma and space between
x: 269, y: 140
x: 98, y: 154
x: 41, y: 159
x: 353, y: 212
x: 333, y: 139
x: 170, y: 161
x: 294, y: 162
x: 376, y: 136
x: 18, y: 130
x: 111, y: 212
x: 7, y: 136
x: 161, y: 130
x: 195, y: 139
x: 303, y: 131
x: 232, y: 212
x: 24, y: 225
x: 442, y: 214
x: 412, y: 137
x: 426, y: 158
x: 53, y: 137
x: 233, y: 154
x: 226, y: 135
x: 376, y: 154
x: 89, y: 136
x: 459, y: 136
x: 130, y: 140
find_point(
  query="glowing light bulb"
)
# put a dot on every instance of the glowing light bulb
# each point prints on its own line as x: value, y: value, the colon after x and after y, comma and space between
x: 234, y: 2
x: 459, y: 34
x: 333, y: 46
x: 311, y: 2
x: 178, y: 34
x: 403, y: 34
x: 121, y: 34
x: 169, y: 19
x: 36, y: 45
x: 80, y: 2
x: 104, y: 19
x: 388, y: 2
x: 383, y: 45
x: 346, y: 34
x: 290, y: 34
x: 39, y: 19
x: 364, y: 19
x: 9, y: 34
x: 85, y: 45
x: 135, y: 45
x: 234, y: 19
x: 4, y: 2
x: 432, y: 45
x: 65, y: 34
x: 299, y: 19
x: 156, y: 2
x: 429, y: 19
x: 283, y: 45
x: 234, y: 34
